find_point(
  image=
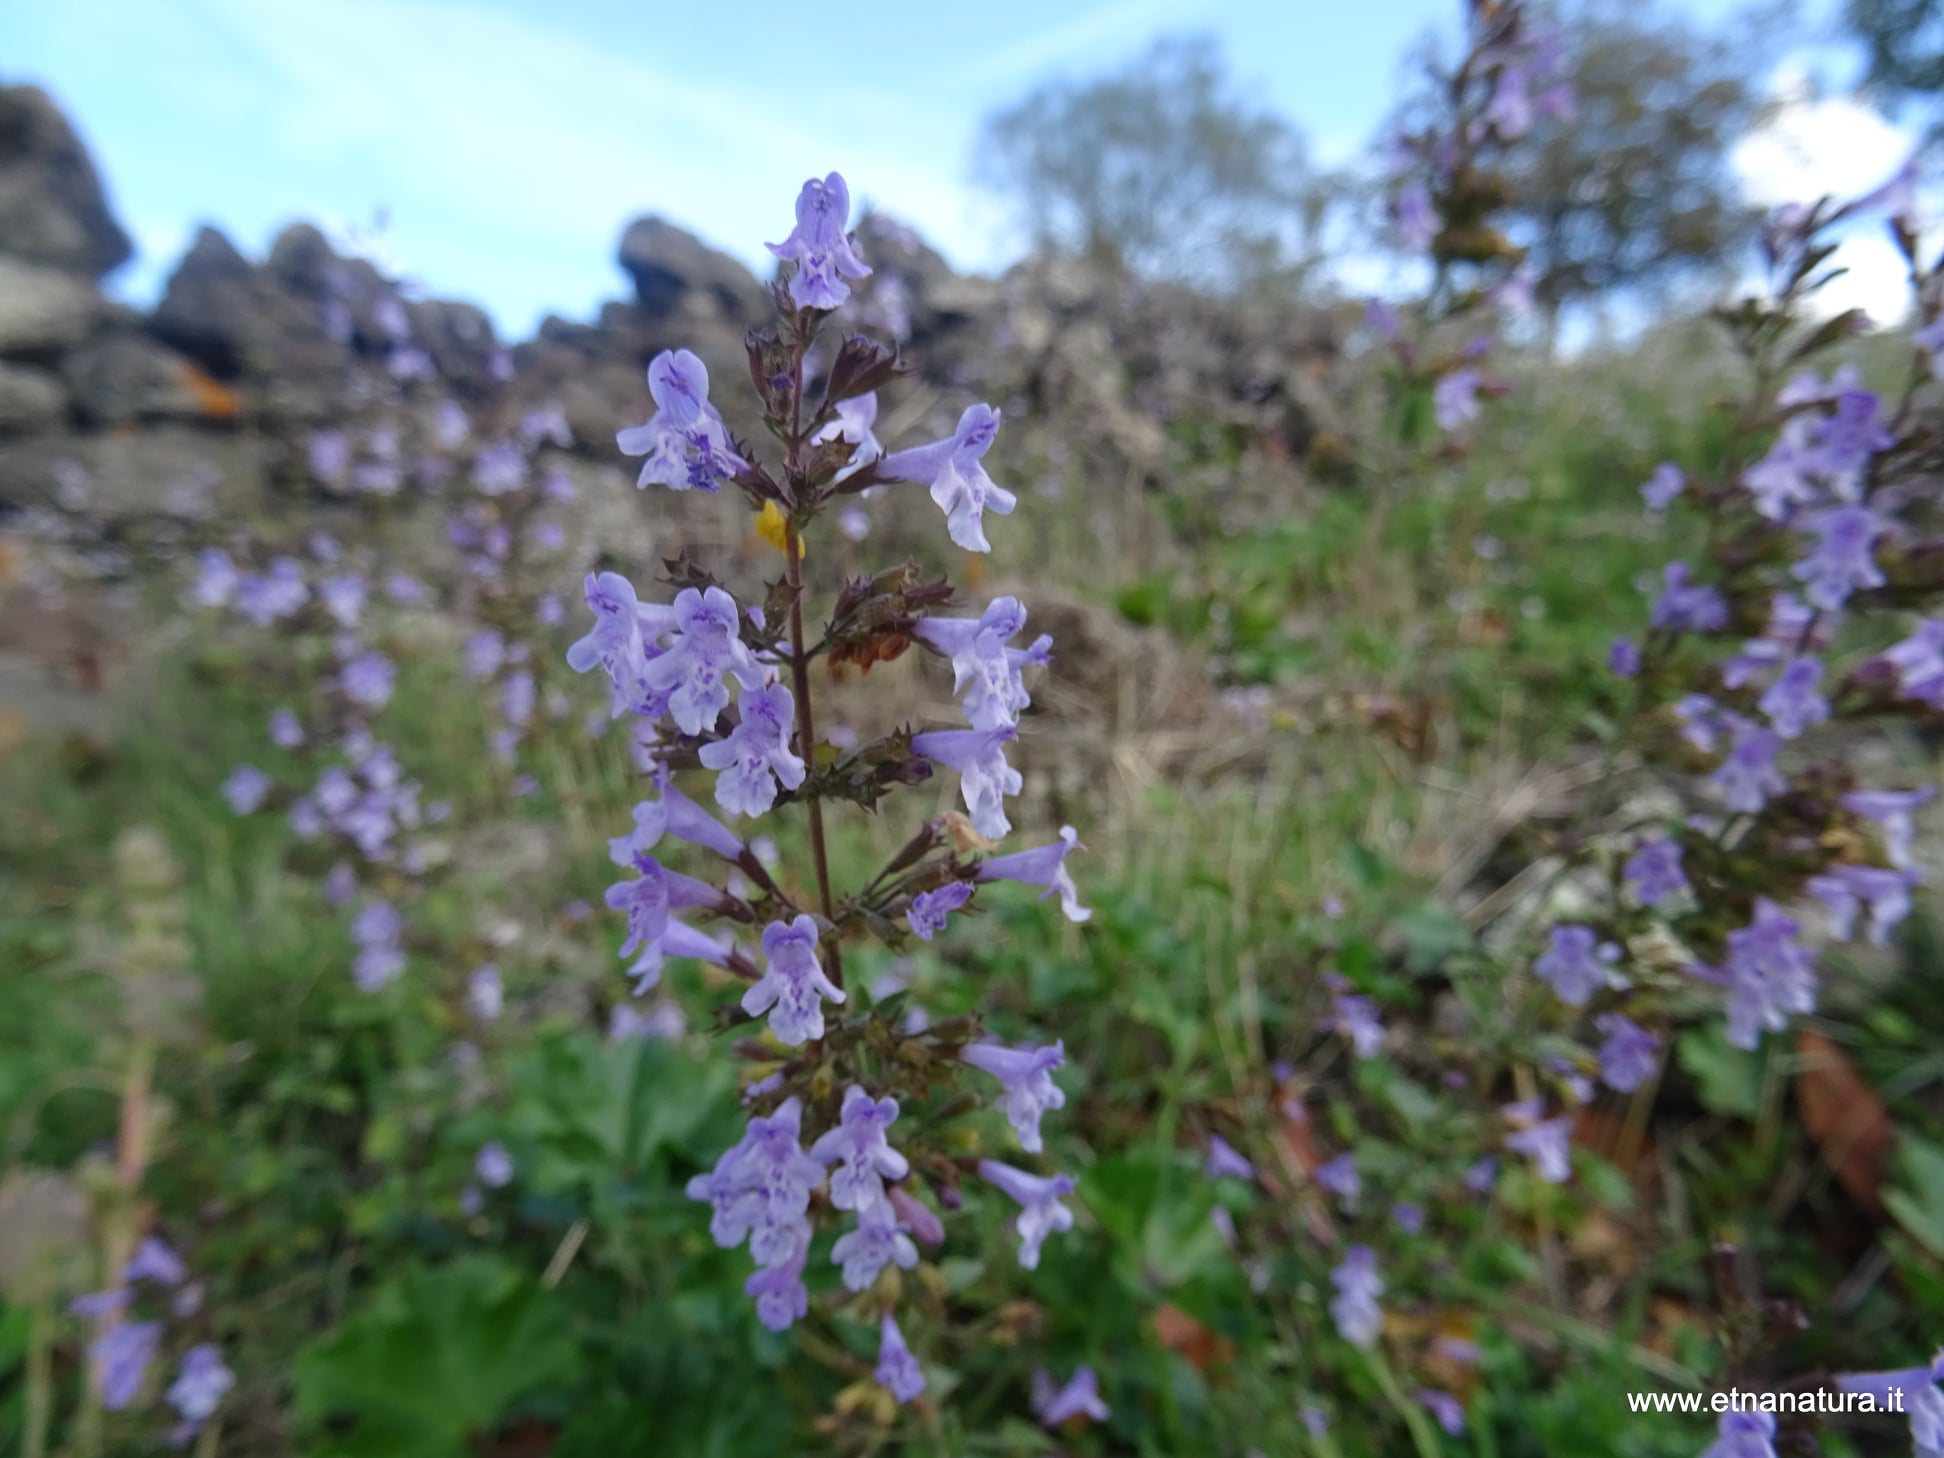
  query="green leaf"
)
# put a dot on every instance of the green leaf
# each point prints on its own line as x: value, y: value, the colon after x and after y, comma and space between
x: 1730, y: 1078
x: 1431, y: 932
x: 1918, y: 1202
x: 433, y: 1359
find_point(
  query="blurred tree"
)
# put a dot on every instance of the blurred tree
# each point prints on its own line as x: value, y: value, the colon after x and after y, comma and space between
x: 1160, y: 168
x: 1905, y: 42
x: 1636, y: 191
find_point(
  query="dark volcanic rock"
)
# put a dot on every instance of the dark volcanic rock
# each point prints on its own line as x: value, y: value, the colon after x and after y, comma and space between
x: 30, y: 400
x: 124, y: 375
x: 671, y: 268
x: 213, y: 306
x: 44, y: 310
x: 52, y: 209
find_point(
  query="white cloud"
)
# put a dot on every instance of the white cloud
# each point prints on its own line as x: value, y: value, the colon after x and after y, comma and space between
x: 1833, y: 146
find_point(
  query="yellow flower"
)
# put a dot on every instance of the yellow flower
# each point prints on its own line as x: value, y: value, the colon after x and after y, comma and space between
x: 772, y: 528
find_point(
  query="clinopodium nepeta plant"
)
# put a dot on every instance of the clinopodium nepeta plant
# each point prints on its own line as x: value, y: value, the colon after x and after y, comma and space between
x: 726, y: 687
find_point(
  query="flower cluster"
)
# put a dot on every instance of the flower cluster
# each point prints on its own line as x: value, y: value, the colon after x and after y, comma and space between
x: 127, y: 1346
x: 722, y: 683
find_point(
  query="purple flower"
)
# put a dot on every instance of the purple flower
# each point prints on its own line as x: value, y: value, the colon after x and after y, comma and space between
x: 546, y: 425
x: 121, y: 1357
x: 1843, y: 560
x: 794, y: 985
x: 1748, y: 776
x: 819, y: 246
x: 1686, y: 607
x: 878, y: 1241
x: 781, y: 1297
x: 1743, y: 1435
x: 494, y: 1166
x: 285, y: 730
x: 1663, y: 486
x: 367, y: 679
x: 329, y: 455
x: 1355, y: 1017
x: 760, y: 1189
x: 1055, y: 1406
x: 1792, y: 702
x: 1627, y: 1056
x: 449, y: 425
x: 1577, y: 964
x: 653, y: 932
x: 216, y: 578
x: 1768, y: 974
x: 1919, y: 661
x: 1849, y: 436
x: 484, y: 652
x: 200, y: 1384
x: 757, y: 754
x: 1381, y: 319
x: 982, y: 665
x: 677, y: 815
x: 1041, y: 1212
x: 1654, y: 871
x: 955, y: 471
x: 1846, y: 890
x: 1359, y: 1319
x: 1027, y: 1077
x: 1918, y: 1395
x: 499, y: 469
x: 663, y: 1020
x: 1414, y: 218
x: 1543, y: 1140
x: 929, y: 909
x: 1780, y: 482
x: 706, y: 653
x: 985, y: 779
x: 1445, y: 1408
x: 1224, y: 1160
x: 1623, y: 658
x: 485, y: 993
x: 1701, y: 721
x: 684, y: 441
x: 1454, y: 399
x: 1339, y: 1176
x: 618, y: 642
x: 897, y: 1369
x: 343, y: 598
x: 858, y: 1146
x: 1893, y: 810
x: 1482, y: 1176
x: 154, y: 1261
x: 1409, y: 1217
x: 97, y: 1304
x: 918, y: 1217
x: 1045, y: 866
x: 263, y: 598
x: 1792, y: 625
x: 246, y: 789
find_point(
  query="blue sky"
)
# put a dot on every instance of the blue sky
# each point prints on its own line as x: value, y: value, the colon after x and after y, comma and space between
x: 508, y: 141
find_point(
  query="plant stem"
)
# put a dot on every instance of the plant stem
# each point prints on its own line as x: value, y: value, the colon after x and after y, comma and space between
x: 807, y: 732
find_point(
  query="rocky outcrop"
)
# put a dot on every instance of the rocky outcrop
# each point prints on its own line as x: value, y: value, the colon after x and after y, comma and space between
x: 1100, y: 379
x: 52, y: 209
